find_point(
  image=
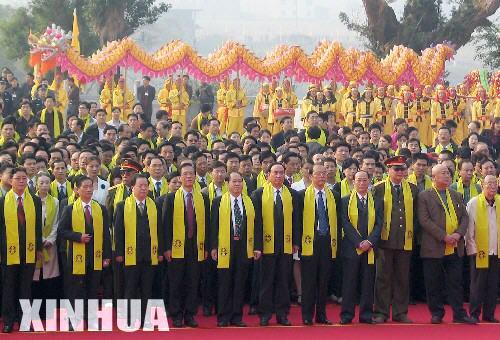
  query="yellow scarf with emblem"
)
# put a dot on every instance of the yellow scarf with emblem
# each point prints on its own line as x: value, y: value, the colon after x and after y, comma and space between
x: 483, y: 230
x: 224, y: 250
x: 78, y: 224
x: 451, y: 218
x: 119, y: 194
x: 268, y: 218
x: 50, y: 214
x: 57, y: 126
x: 130, y: 220
x: 408, y: 205
x: 12, y: 229
x: 309, y: 220
x: 353, y: 218
x: 179, y: 236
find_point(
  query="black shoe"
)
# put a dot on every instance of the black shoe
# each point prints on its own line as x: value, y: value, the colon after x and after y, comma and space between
x: 491, y: 320
x: 307, y: 322
x: 283, y: 321
x: 264, y: 322
x: 436, y: 320
x: 190, y: 323
x: 70, y: 328
x: 238, y: 324
x: 379, y: 319
x: 367, y: 321
x: 252, y: 311
x: 177, y: 324
x: 466, y: 320
x: 402, y: 319
x: 222, y: 324
x: 7, y: 329
x: 323, y: 321
x: 207, y: 311
x: 345, y: 321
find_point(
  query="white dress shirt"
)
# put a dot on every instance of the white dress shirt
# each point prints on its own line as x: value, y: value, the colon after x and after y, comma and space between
x: 240, y: 204
x: 470, y: 237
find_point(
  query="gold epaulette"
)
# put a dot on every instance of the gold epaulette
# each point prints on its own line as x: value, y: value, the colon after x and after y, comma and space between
x: 113, y: 187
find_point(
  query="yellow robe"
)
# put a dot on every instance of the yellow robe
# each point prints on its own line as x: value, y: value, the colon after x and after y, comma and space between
x: 365, y: 112
x: 235, y: 98
x: 276, y: 103
x: 124, y: 101
x: 349, y: 109
x: 163, y: 99
x: 106, y: 100
x: 180, y: 104
x: 306, y: 106
x: 261, y: 108
x: 383, y: 114
x: 483, y: 111
x: 423, y: 119
x: 221, y: 107
x: 291, y: 98
x: 61, y: 97
x: 407, y: 111
x: 457, y: 107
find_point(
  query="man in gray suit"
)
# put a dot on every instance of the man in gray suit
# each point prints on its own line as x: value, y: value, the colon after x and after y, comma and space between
x: 443, y: 219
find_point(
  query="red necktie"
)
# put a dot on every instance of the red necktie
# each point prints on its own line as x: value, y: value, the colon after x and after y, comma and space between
x: 88, y: 215
x: 21, y: 218
x: 190, y: 215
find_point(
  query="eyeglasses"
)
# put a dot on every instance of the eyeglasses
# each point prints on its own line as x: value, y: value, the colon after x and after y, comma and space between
x: 399, y: 168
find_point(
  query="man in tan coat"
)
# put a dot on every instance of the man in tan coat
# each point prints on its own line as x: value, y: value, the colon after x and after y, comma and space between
x: 443, y: 219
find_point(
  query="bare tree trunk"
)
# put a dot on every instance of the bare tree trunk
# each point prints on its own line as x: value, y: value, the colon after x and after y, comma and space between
x: 114, y: 27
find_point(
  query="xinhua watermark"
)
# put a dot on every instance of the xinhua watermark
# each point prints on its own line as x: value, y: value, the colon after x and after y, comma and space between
x: 97, y: 315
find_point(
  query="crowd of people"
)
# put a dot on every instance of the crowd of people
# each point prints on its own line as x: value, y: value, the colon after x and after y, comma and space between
x: 384, y: 198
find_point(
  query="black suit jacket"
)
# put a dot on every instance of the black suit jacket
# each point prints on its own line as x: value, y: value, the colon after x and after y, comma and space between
x: 168, y: 220
x: 93, y: 131
x: 22, y: 245
x: 215, y: 224
x: 352, y: 238
x: 66, y: 233
x: 338, y: 204
x: 143, y: 238
x: 259, y: 231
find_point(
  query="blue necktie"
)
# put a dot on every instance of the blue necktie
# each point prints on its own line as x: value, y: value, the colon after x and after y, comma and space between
x: 322, y: 218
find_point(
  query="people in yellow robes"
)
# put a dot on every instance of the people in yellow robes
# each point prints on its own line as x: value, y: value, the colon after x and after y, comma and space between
x: 163, y: 96
x: 106, y: 98
x: 60, y: 93
x: 236, y: 101
x: 123, y: 98
x: 307, y: 102
x: 405, y: 108
x: 288, y: 93
x: 383, y: 106
x: 457, y: 107
x: 179, y: 98
x: 365, y: 110
x: 423, y: 109
x: 221, y: 104
x: 277, y: 102
x: 350, y: 105
x: 440, y: 110
x: 483, y: 109
x: 261, y: 105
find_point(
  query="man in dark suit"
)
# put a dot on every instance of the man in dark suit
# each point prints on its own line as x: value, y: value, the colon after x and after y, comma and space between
x: 443, y: 218
x: 233, y: 260
x: 358, y: 247
x: 141, y: 258
x: 395, y: 247
x: 185, y: 251
x: 20, y: 244
x: 145, y: 95
x: 317, y: 244
x: 84, y: 282
x: 279, y: 138
x: 96, y: 130
x: 277, y: 244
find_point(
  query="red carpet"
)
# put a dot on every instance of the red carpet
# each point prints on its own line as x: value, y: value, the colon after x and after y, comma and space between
x: 421, y: 329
